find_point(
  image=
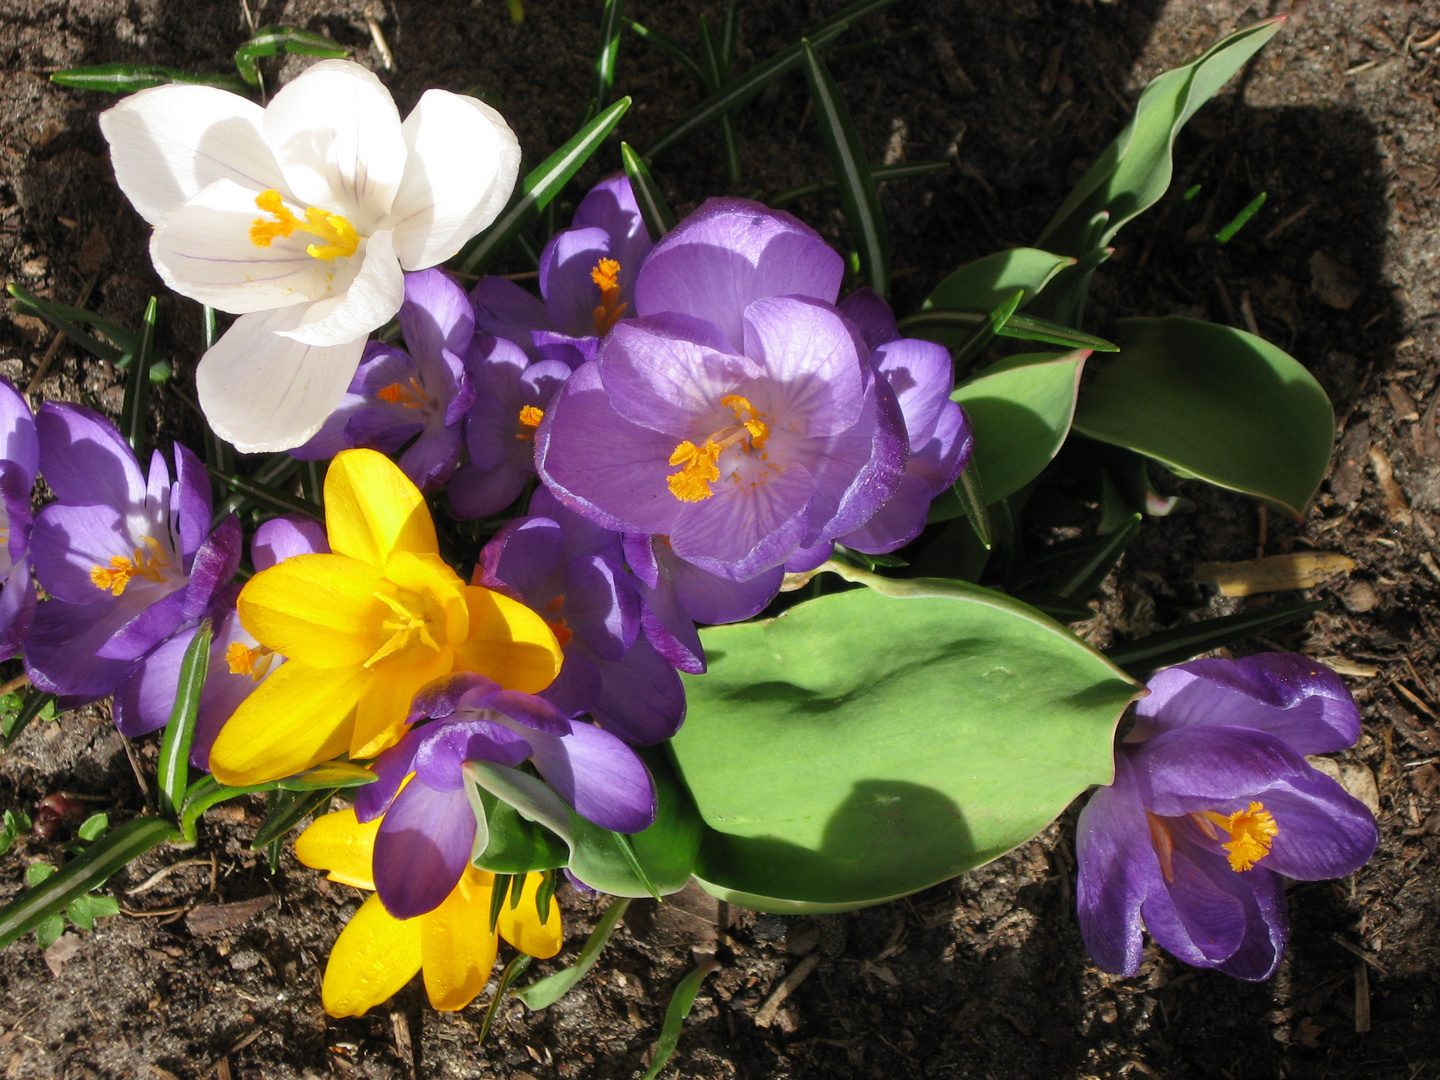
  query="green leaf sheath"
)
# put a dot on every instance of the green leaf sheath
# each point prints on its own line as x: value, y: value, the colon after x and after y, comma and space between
x: 173, y: 770
x: 82, y: 874
x: 679, y: 1008
x: 543, y: 993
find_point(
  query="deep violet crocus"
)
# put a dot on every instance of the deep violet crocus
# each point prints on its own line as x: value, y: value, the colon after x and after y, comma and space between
x: 738, y: 413
x: 19, y: 462
x: 413, y: 398
x: 572, y: 572
x: 587, y: 277
x: 425, y: 840
x: 1212, y: 807
x: 237, y: 664
x: 127, y: 560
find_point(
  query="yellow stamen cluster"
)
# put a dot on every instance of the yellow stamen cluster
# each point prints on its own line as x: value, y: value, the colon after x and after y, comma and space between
x: 749, y: 416
x: 412, y: 396
x: 692, y: 482
x: 530, y: 417
x: 1250, y: 830
x: 606, y: 275
x: 117, y: 575
x: 339, y: 235
x: 244, y: 660
x: 414, y: 614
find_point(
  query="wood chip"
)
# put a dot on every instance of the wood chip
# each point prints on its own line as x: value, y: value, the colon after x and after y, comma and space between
x: 219, y: 918
x: 1362, y: 999
x: 64, y: 949
x: 1334, y: 283
x: 1358, y: 951
x: 404, y: 1049
x: 766, y: 1014
x: 1350, y: 668
x: 1347, y: 478
x: 1395, y: 500
x: 1274, y: 573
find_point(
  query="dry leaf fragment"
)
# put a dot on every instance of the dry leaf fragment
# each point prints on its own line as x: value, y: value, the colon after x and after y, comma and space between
x: 1274, y: 573
x: 214, y: 918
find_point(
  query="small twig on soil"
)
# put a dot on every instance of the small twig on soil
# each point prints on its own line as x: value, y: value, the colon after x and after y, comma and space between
x: 43, y: 368
x: 139, y: 775
x: 14, y: 684
x: 766, y: 1015
x: 387, y: 59
x: 1361, y: 953
x: 161, y: 874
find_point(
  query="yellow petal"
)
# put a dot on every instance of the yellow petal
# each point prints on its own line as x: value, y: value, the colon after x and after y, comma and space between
x: 319, y: 609
x: 341, y: 844
x: 521, y: 927
x: 375, y: 955
x: 432, y: 578
x: 380, y: 717
x: 456, y: 945
x: 373, y: 510
x: 508, y: 643
x: 298, y: 717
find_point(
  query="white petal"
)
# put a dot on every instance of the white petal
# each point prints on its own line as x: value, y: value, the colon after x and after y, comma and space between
x: 170, y: 142
x: 204, y: 251
x: 264, y: 392
x: 462, y: 164
x: 336, y: 133
x: 374, y: 294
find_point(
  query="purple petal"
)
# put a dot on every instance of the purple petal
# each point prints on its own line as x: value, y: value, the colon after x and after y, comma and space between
x: 152, y: 625
x: 444, y: 747
x: 803, y: 560
x: 896, y: 523
x: 1323, y: 831
x: 806, y: 346
x: 432, y: 458
x: 611, y: 206
x: 747, y: 528
x: 190, y: 500
x: 729, y: 253
x: 871, y: 315
x: 1190, y: 770
x: 60, y: 653
x: 582, y: 536
x: 144, y: 701
x: 474, y: 493
x: 600, y: 606
x: 526, y: 554
x: 571, y: 295
x: 16, y: 488
x: 84, y: 458
x: 709, y: 599
x: 578, y: 685
x: 215, y: 565
x: 436, y: 314
x: 642, y: 699
x: 922, y: 375
x: 67, y: 541
x: 17, y: 607
x: 439, y: 699
x: 1293, y: 697
x: 283, y: 537
x: 529, y: 710
x: 422, y: 848
x: 505, y: 310
x: 390, y: 768
x: 18, y: 440
x: 858, y: 471
x: 599, y: 776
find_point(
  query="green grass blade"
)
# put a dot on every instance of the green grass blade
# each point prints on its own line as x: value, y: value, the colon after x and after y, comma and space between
x: 290, y: 809
x: 653, y: 207
x: 81, y: 874
x: 540, y: 185
x: 513, y: 971
x: 675, y: 1013
x: 205, y: 793
x: 668, y: 46
x: 545, y: 992
x: 986, y: 331
x: 1239, y: 221
x: 971, y: 494
x: 858, y: 195
x: 134, y: 409
x: 612, y: 17
x: 880, y: 173
x: 173, y: 770
x: 1085, y: 576
x: 1181, y: 643
x: 270, y: 498
x: 715, y: 79
x: 127, y: 78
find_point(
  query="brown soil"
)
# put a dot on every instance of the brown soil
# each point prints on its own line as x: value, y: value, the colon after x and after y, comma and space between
x: 984, y: 976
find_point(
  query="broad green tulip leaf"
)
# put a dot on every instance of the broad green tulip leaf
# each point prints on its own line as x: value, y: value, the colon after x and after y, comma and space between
x: 513, y: 845
x: 1020, y: 410
x: 1134, y: 171
x: 987, y: 282
x: 870, y: 743
x: 1213, y: 403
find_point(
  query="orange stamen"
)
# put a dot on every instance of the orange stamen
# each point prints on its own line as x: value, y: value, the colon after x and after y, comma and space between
x: 1250, y: 830
x: 530, y: 417
x: 116, y: 577
x: 692, y: 483
x: 607, y: 276
x: 339, y: 235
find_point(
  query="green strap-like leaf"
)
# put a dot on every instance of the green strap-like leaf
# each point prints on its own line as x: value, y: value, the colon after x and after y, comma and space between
x: 1182, y: 643
x: 950, y: 328
x: 290, y: 809
x: 668, y: 46
x: 880, y: 173
x: 970, y: 490
x: 67, y: 320
x: 1134, y: 170
x: 271, y: 498
x: 716, y: 75
x: 540, y: 185
x: 328, y: 776
x: 985, y: 333
x: 679, y: 1008
x: 274, y: 40
x: 82, y: 874
x: 653, y: 208
x: 612, y: 19
x: 513, y: 970
x: 1085, y: 576
x: 127, y: 78
x: 34, y: 705
x: 847, y: 160
x: 543, y: 993
x: 133, y: 409
x: 173, y: 770
x: 205, y: 793
x: 987, y: 282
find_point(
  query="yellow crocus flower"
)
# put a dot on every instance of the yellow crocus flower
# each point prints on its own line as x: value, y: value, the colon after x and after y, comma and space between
x: 364, y: 627
x: 377, y: 954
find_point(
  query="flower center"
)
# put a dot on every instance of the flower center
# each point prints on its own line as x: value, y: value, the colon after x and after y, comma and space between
x: 1250, y: 830
x: 415, y: 616
x: 563, y: 634
x: 339, y: 236
x: 244, y: 660
x: 411, y: 397
x: 530, y: 417
x: 147, y: 564
x: 607, y: 276
x: 699, y: 468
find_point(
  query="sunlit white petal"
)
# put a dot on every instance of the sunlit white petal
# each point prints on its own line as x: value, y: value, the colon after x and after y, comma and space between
x: 373, y: 295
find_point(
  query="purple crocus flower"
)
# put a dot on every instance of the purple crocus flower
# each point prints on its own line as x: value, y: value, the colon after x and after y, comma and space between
x: 425, y: 840
x: 738, y: 414
x: 238, y: 663
x: 587, y: 277
x: 922, y: 376
x: 19, y: 462
x: 127, y: 560
x: 417, y: 397
x: 512, y: 393
x: 1213, y: 805
x: 572, y: 572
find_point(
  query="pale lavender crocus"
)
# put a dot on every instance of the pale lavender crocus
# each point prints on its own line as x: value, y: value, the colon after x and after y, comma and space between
x: 572, y: 572
x: 410, y: 401
x: 587, y: 277
x: 19, y: 462
x: 425, y: 839
x: 1212, y: 807
x: 738, y: 413
x: 237, y: 663
x: 126, y: 560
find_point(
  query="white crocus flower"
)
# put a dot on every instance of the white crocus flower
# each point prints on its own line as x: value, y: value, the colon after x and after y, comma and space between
x: 299, y: 217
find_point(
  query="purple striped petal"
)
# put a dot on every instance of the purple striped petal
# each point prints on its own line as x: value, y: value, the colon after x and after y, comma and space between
x: 436, y: 314
x: 598, y: 775
x: 84, y: 458
x: 190, y: 501
x: 214, y: 566
x: 871, y: 315
x: 283, y: 537
x: 439, y: 699
x: 61, y: 651
x: 445, y: 746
